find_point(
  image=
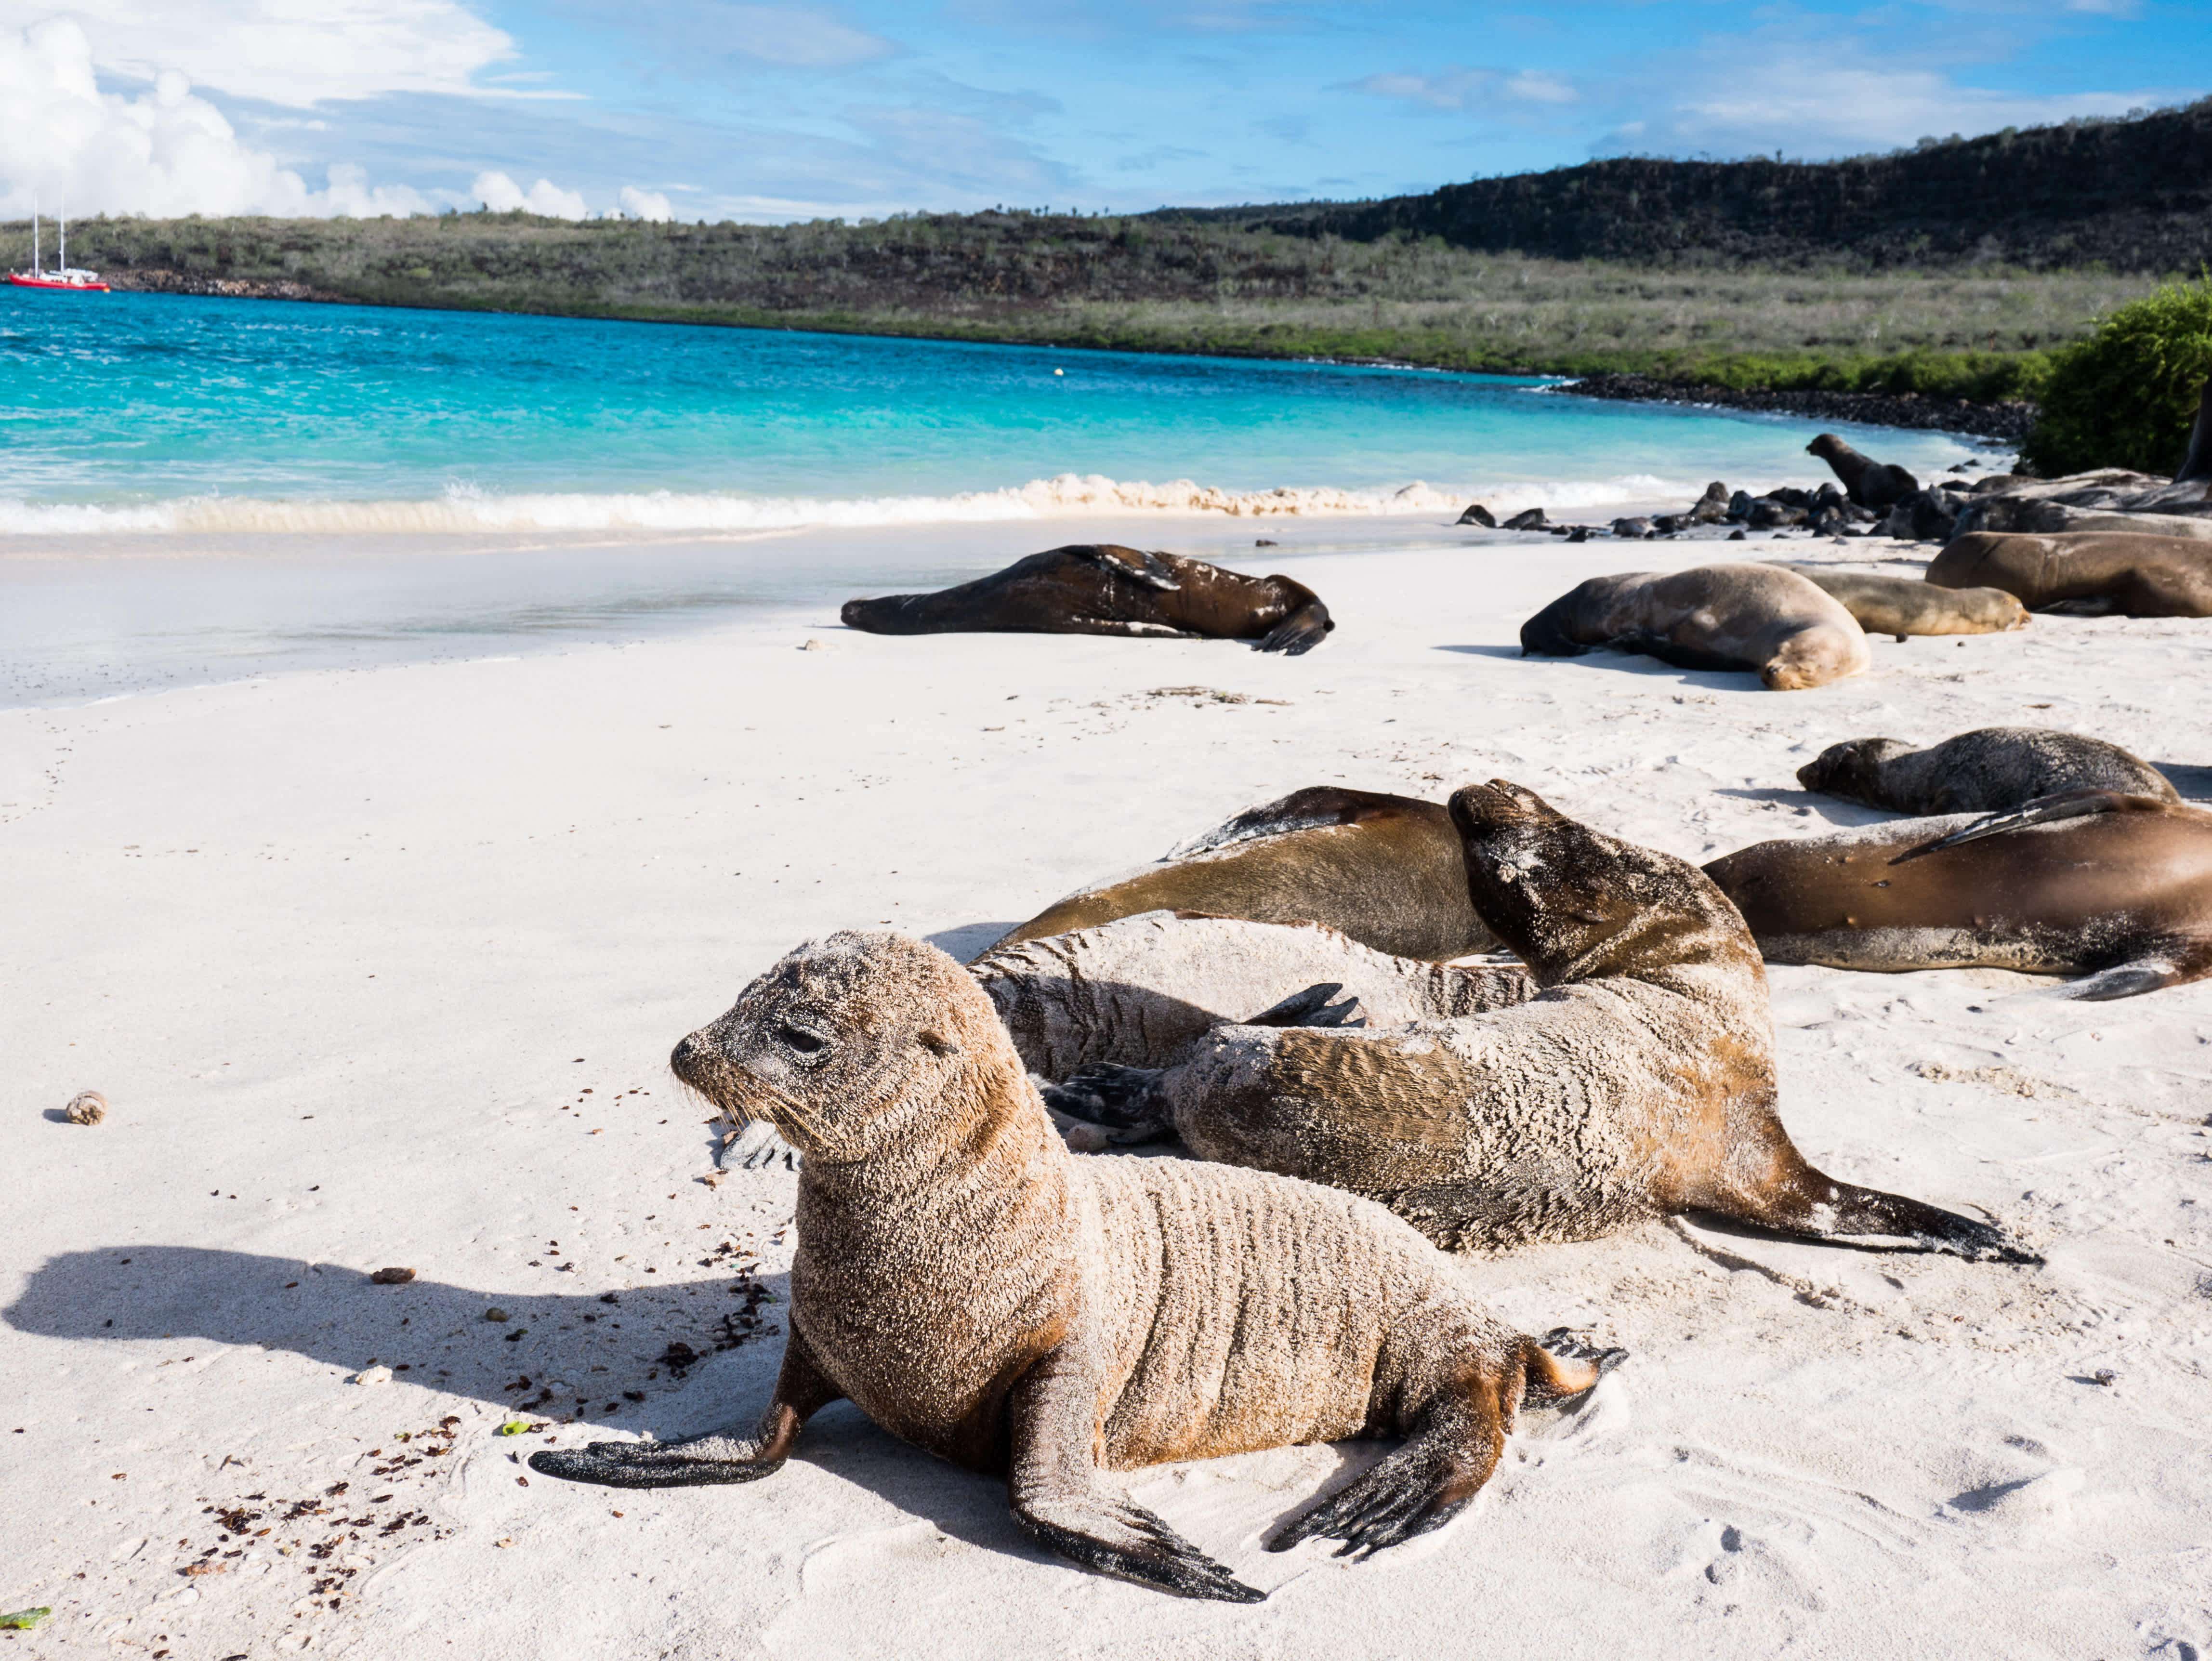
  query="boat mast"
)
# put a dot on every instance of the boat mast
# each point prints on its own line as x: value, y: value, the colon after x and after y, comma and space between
x: 35, y: 270
x: 64, y: 215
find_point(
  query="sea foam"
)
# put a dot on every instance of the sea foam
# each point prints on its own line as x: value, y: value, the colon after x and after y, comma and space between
x: 463, y: 508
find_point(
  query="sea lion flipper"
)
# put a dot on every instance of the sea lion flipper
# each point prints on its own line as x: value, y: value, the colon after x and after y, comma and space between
x: 655, y: 1465
x: 1416, y: 1489
x: 1312, y: 1008
x: 1299, y: 633
x: 2042, y: 810
x: 1126, y: 1100
x: 1119, y: 1537
x: 1138, y: 564
x: 2129, y: 980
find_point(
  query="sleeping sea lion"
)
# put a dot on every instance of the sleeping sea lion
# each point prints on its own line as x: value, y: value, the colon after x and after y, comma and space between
x: 2086, y: 575
x: 1103, y: 589
x: 1989, y: 771
x: 1907, y: 606
x: 1142, y: 991
x: 1868, y: 482
x: 978, y: 1291
x: 1759, y: 617
x: 1638, y: 1083
x: 2118, y: 887
x: 1384, y: 869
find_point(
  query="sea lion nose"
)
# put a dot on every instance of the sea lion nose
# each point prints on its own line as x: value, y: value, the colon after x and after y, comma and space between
x: 685, y: 1059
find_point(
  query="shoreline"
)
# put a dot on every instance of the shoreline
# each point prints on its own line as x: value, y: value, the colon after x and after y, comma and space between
x: 2005, y: 423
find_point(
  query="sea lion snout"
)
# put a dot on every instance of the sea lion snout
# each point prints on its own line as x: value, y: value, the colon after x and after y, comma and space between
x: 1478, y: 807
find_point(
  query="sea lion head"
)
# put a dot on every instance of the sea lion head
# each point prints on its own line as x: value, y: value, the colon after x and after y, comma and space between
x: 1575, y: 903
x: 847, y: 1046
x: 1851, y: 769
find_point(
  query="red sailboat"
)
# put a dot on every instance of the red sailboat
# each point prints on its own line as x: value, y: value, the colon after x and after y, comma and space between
x: 64, y: 277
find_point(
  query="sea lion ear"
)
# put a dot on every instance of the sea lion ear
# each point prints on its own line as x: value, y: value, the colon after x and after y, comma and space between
x: 937, y: 1043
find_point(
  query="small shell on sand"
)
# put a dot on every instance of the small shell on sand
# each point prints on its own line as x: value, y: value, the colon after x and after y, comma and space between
x: 392, y: 1277
x: 87, y: 1107
x: 814, y: 646
x: 371, y: 1376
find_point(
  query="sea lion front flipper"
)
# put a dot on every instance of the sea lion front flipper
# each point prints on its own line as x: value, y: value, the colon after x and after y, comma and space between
x: 2042, y: 810
x: 802, y: 1389
x: 1126, y: 1100
x: 2129, y: 980
x: 1299, y: 633
x: 1312, y: 1008
x: 1060, y: 1502
x: 1137, y: 564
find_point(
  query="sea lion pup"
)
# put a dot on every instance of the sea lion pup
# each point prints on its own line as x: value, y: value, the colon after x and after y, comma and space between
x: 2090, y: 574
x: 980, y: 1293
x: 2116, y: 887
x: 1908, y: 605
x: 1761, y: 618
x: 1638, y: 1083
x: 1141, y: 992
x: 1868, y: 482
x: 1384, y: 869
x: 1990, y: 770
x: 1103, y: 589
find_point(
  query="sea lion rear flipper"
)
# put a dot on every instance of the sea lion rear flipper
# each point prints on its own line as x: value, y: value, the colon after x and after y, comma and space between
x: 1126, y: 1100
x: 1810, y: 1202
x: 1312, y: 1008
x: 1060, y: 1502
x: 2128, y: 980
x: 1418, y: 1487
x: 2043, y: 810
x: 1138, y: 564
x: 1299, y: 633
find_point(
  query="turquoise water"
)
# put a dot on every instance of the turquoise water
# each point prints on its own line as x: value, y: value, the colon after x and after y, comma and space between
x: 150, y: 411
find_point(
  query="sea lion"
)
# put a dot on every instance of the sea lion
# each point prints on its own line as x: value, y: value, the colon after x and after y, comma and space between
x: 1638, y: 1083
x: 2015, y: 515
x: 979, y: 1291
x: 1103, y: 589
x: 1989, y: 771
x: 1906, y: 606
x: 2115, y: 887
x: 1140, y: 992
x: 1761, y: 618
x: 1384, y: 869
x: 1869, y: 483
x: 2091, y: 574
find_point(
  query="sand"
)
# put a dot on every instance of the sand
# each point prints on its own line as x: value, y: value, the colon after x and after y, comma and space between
x: 381, y: 966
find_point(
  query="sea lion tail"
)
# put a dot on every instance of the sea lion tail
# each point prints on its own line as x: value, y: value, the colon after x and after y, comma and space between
x: 2043, y: 810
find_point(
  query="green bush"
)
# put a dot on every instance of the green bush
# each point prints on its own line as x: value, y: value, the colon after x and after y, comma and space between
x: 2126, y: 396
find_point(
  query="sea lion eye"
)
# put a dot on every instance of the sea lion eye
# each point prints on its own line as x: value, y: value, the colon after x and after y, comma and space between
x: 799, y: 1038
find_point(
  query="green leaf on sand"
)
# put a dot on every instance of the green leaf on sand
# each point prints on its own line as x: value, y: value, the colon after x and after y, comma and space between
x: 23, y: 1620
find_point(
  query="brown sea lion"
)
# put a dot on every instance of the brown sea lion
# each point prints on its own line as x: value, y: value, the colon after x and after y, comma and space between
x: 2011, y: 515
x: 2115, y: 887
x: 1638, y: 1083
x: 979, y: 1291
x: 1868, y: 482
x: 1991, y: 769
x: 1103, y: 589
x: 1761, y: 617
x: 1141, y: 992
x: 1384, y: 869
x: 2089, y: 574
x: 1907, y: 606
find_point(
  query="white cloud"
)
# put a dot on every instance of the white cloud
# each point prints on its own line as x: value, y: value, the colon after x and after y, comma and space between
x: 500, y: 194
x: 646, y: 205
x: 164, y: 152
x: 1452, y: 89
x: 1540, y: 88
x: 800, y: 40
x: 297, y: 52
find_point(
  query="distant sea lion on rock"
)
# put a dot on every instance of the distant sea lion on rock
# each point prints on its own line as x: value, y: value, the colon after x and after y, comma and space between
x: 1103, y: 589
x: 1869, y: 483
x: 1991, y: 769
x: 980, y: 1293
x: 2091, y: 574
x: 1638, y: 1083
x: 2116, y: 887
x: 1765, y: 618
x: 1143, y: 991
x: 1384, y: 869
x: 1907, y: 606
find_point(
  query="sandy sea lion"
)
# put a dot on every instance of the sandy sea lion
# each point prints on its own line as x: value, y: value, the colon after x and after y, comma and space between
x: 2089, y: 574
x: 2012, y: 515
x: 1384, y: 869
x: 1142, y: 991
x: 1990, y: 770
x: 1103, y: 589
x: 1761, y: 617
x: 1638, y: 1083
x: 1868, y: 482
x: 1907, y: 606
x: 979, y: 1291
x: 2115, y: 887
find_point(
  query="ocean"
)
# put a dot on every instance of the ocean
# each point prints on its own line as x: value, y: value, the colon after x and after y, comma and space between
x: 219, y: 434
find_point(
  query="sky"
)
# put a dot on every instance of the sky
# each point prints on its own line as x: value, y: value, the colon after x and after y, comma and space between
x: 712, y: 110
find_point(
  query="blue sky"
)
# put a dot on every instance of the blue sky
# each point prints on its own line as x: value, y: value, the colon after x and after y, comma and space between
x: 707, y: 109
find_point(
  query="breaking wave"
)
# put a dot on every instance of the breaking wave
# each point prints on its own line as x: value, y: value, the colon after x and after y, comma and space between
x: 463, y: 508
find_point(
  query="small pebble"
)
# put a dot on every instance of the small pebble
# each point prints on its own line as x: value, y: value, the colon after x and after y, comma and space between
x: 495, y: 1315
x: 813, y: 645
x: 371, y: 1376
x: 87, y: 1107
x: 2105, y: 1376
x: 392, y: 1277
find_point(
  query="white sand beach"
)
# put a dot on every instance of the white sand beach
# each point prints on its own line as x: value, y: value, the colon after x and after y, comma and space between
x: 382, y: 966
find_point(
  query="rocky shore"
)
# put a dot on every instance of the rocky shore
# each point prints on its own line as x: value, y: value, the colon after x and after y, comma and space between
x: 2008, y: 422
x: 155, y: 280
